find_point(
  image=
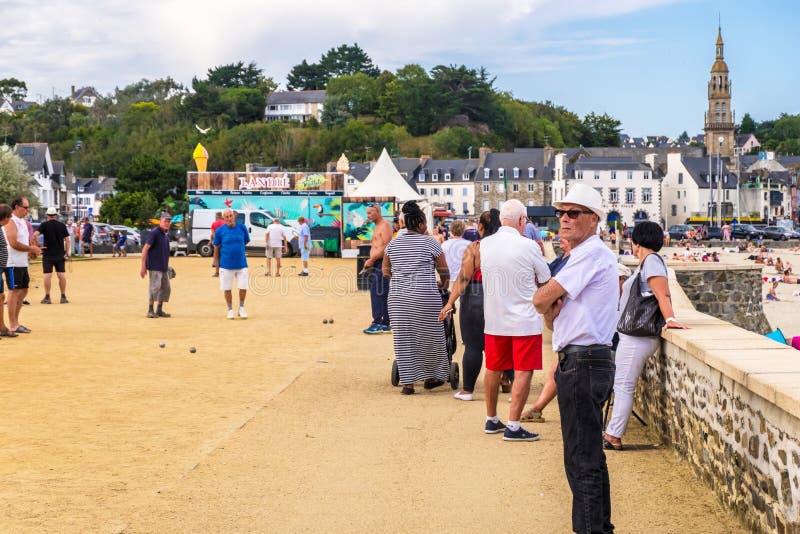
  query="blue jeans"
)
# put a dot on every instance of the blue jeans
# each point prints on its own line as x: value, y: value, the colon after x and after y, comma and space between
x: 379, y: 294
x: 584, y: 377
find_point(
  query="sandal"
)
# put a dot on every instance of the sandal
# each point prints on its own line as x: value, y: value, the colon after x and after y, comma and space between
x: 407, y: 390
x: 611, y: 446
x: 22, y: 330
x: 5, y: 332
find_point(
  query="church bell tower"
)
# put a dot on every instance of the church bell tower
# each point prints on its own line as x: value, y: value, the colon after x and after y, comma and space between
x: 720, y: 118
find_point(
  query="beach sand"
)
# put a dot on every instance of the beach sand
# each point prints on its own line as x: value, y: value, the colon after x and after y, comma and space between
x: 277, y: 423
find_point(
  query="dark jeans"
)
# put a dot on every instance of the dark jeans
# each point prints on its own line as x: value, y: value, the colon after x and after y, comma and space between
x: 471, y: 322
x: 379, y: 294
x: 584, y: 377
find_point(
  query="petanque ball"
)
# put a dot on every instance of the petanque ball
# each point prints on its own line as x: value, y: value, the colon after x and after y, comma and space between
x: 324, y: 321
x: 330, y: 320
x: 192, y: 350
x: 162, y: 344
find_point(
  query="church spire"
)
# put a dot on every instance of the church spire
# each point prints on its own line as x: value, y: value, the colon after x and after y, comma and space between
x: 720, y: 44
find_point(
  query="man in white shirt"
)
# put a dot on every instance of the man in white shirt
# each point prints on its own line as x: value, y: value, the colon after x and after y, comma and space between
x: 20, y: 250
x: 512, y: 267
x: 454, y: 248
x: 275, y: 237
x: 579, y: 303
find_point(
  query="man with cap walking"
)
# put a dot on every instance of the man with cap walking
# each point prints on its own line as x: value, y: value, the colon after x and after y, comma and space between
x: 155, y: 261
x: 56, y: 247
x: 579, y: 303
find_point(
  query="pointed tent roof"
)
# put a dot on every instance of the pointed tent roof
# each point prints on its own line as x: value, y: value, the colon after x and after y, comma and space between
x: 385, y: 181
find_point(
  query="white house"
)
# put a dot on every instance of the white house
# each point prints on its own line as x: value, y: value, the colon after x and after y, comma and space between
x: 49, y: 186
x: 449, y: 184
x: 295, y: 105
x: 687, y: 191
x: 86, y: 96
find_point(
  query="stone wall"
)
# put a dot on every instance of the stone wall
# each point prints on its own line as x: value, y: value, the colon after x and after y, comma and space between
x: 728, y: 292
x: 728, y: 401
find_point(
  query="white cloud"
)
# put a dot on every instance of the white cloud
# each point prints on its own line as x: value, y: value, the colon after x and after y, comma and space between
x: 58, y: 43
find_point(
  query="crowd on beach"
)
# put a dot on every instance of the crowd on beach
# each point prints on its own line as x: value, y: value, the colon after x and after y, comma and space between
x: 506, y: 294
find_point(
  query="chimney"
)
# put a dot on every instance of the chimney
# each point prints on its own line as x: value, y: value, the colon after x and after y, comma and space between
x: 482, y: 153
x: 548, y: 154
x: 650, y: 159
x: 423, y: 158
x: 72, y: 93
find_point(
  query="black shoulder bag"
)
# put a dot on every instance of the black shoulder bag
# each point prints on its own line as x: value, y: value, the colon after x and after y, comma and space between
x: 642, y: 316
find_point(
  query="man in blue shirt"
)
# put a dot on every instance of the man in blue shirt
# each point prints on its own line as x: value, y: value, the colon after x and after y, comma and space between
x: 304, y: 242
x: 229, y: 253
x: 531, y: 232
x: 155, y: 261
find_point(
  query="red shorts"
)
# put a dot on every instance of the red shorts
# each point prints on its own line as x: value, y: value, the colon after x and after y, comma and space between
x: 521, y: 353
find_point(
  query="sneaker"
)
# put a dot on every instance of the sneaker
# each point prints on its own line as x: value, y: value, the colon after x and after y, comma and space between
x: 63, y: 300
x: 519, y: 435
x: 373, y: 329
x: 164, y: 314
x: 151, y: 315
x: 386, y: 329
x: 231, y: 315
x: 494, y: 427
x: 242, y: 313
x: 303, y: 273
x: 46, y: 300
x: 463, y: 396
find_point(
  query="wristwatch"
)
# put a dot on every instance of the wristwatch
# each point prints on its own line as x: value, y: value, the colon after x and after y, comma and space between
x: 670, y: 320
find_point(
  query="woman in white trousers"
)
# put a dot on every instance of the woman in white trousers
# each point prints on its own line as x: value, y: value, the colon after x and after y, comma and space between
x: 632, y: 352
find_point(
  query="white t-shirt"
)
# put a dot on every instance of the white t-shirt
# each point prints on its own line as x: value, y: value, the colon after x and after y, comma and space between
x: 18, y: 258
x: 275, y: 233
x: 454, y: 253
x: 589, y: 314
x: 511, y: 265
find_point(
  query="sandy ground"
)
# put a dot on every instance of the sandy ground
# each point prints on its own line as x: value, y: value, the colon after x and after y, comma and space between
x: 277, y: 423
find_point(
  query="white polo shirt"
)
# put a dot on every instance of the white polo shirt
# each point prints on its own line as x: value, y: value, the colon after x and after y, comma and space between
x: 511, y: 265
x: 589, y: 315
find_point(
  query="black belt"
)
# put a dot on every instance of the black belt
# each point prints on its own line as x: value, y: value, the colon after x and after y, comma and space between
x: 570, y: 350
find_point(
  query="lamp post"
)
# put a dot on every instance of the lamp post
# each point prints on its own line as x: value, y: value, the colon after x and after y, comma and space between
x: 78, y: 146
x: 719, y: 181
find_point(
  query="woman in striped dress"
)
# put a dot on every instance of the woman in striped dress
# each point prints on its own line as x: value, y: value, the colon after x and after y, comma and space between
x: 411, y: 262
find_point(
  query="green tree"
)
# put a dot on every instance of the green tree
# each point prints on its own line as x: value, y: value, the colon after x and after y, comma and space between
x: 684, y: 137
x: 306, y: 77
x: 153, y: 175
x: 14, y: 178
x: 238, y: 75
x: 348, y: 60
x: 465, y: 91
x: 748, y: 125
x: 135, y: 208
x: 349, y: 96
x: 13, y: 89
x: 601, y: 130
x: 410, y: 100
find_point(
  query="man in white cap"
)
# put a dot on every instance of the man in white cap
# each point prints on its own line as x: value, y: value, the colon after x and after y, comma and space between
x: 56, y: 251
x: 580, y: 304
x: 155, y: 261
x: 512, y: 267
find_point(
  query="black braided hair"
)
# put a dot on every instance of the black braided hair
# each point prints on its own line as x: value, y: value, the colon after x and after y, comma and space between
x: 413, y: 216
x: 490, y: 221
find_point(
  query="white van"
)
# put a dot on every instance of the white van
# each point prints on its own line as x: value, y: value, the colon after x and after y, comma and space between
x: 256, y: 222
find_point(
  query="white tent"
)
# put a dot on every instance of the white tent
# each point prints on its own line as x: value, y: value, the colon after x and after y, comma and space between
x: 384, y: 181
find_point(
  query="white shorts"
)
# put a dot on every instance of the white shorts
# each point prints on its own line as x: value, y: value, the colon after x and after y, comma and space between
x: 226, y: 277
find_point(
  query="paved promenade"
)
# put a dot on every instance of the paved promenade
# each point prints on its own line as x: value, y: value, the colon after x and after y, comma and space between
x: 277, y: 423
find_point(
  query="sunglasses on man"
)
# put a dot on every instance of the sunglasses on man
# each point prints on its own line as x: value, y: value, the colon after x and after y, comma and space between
x: 572, y: 214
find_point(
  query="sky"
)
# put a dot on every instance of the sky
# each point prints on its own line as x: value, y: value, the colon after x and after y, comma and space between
x: 645, y: 62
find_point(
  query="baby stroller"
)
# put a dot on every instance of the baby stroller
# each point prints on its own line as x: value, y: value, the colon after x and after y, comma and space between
x: 450, y: 342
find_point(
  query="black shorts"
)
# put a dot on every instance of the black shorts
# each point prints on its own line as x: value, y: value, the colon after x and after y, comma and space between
x: 49, y: 263
x: 8, y: 274
x: 20, y: 278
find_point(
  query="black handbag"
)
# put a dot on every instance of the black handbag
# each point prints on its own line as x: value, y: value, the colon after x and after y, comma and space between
x: 642, y: 316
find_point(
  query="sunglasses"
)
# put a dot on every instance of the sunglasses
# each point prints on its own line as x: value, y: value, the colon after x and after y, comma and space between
x: 572, y: 214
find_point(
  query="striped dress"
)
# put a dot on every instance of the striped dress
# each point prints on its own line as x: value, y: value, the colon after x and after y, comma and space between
x: 414, y: 306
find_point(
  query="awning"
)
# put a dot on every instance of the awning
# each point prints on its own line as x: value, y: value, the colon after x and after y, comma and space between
x: 442, y: 213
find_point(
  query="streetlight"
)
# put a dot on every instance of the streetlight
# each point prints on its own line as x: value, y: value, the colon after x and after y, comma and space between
x: 78, y: 146
x: 719, y: 181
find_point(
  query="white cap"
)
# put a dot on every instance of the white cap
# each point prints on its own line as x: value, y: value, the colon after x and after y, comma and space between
x: 583, y: 195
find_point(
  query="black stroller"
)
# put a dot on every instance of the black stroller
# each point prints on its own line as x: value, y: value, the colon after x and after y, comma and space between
x: 450, y: 342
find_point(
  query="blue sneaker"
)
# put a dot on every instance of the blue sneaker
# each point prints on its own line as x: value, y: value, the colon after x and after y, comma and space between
x: 494, y: 427
x: 519, y: 435
x: 386, y: 329
x: 373, y: 329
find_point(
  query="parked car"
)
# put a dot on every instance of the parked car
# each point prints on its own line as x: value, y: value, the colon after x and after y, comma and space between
x: 746, y: 231
x: 678, y: 231
x: 102, y: 234
x: 713, y: 232
x: 779, y: 233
